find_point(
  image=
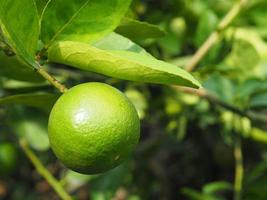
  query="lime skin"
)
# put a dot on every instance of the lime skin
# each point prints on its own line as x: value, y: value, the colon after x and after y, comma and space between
x: 93, y: 127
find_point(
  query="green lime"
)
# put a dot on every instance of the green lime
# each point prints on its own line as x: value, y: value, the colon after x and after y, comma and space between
x: 8, y: 158
x: 93, y: 127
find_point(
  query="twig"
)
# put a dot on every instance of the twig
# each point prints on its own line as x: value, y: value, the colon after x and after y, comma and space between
x: 213, y: 99
x: 215, y: 35
x: 239, y: 170
x: 44, y: 172
x: 62, y: 88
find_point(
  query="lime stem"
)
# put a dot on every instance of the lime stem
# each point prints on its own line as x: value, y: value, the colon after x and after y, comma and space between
x: 43, y: 171
x: 62, y: 88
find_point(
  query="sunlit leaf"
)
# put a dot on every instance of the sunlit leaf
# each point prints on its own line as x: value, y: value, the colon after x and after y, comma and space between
x: 20, y: 25
x: 130, y: 28
x: 31, y: 126
x: 120, y: 64
x: 44, y: 101
x: 114, y: 41
x: 84, y: 20
x: 12, y: 67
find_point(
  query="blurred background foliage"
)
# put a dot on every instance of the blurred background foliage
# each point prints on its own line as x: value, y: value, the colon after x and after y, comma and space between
x: 188, y: 142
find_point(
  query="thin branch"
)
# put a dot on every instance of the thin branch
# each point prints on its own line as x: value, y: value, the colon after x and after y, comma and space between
x: 62, y: 88
x: 202, y: 51
x: 215, y: 35
x: 239, y: 170
x: 44, y: 172
x: 213, y: 99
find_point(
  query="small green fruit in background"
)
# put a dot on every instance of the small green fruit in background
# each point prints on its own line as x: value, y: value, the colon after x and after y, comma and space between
x: 8, y: 158
x: 93, y: 127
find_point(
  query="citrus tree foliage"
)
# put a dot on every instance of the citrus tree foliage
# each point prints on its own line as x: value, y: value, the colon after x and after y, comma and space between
x: 142, y: 48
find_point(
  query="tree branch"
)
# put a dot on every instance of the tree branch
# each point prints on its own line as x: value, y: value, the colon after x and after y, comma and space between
x: 215, y: 35
x: 62, y: 88
x: 239, y: 170
x: 213, y: 99
x: 43, y: 171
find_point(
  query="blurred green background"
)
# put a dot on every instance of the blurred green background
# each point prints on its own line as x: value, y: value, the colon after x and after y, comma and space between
x: 189, y: 144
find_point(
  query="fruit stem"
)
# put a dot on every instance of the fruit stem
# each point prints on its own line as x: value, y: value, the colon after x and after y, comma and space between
x: 239, y: 170
x: 62, y: 88
x: 215, y: 35
x: 43, y: 171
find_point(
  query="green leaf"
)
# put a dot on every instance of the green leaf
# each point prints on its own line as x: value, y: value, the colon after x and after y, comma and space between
x: 206, y: 25
x: 20, y: 26
x: 23, y: 86
x: 243, y: 60
x: 138, y: 100
x: 244, y: 55
x: 114, y: 41
x: 40, y: 4
x: 195, y: 195
x: 250, y: 87
x: 259, y: 100
x: 30, y: 125
x: 221, y: 87
x: 171, y: 44
x: 214, y: 187
x: 12, y: 67
x: 130, y: 28
x: 84, y: 20
x: 44, y: 101
x: 105, y: 185
x: 256, y: 172
x: 35, y: 133
x: 74, y: 180
x: 120, y: 64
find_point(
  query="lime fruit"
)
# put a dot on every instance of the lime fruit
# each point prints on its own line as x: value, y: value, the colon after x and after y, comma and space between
x: 8, y: 158
x: 93, y: 127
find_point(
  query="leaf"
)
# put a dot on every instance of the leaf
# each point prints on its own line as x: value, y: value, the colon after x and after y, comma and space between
x: 259, y: 100
x: 243, y: 60
x: 170, y: 44
x: 251, y: 36
x: 214, y: 187
x: 119, y: 64
x: 130, y: 28
x: 74, y: 180
x: 114, y: 41
x: 244, y: 55
x: 220, y: 87
x: 30, y: 125
x: 44, y: 101
x: 84, y: 20
x: 195, y: 195
x: 12, y: 67
x: 256, y: 172
x: 35, y: 133
x: 40, y: 4
x: 23, y: 86
x: 138, y: 100
x: 250, y: 87
x: 105, y: 185
x: 20, y: 26
x: 206, y: 25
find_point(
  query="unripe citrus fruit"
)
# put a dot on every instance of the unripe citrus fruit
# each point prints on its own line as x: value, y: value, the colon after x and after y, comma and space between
x: 93, y: 127
x: 8, y: 158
